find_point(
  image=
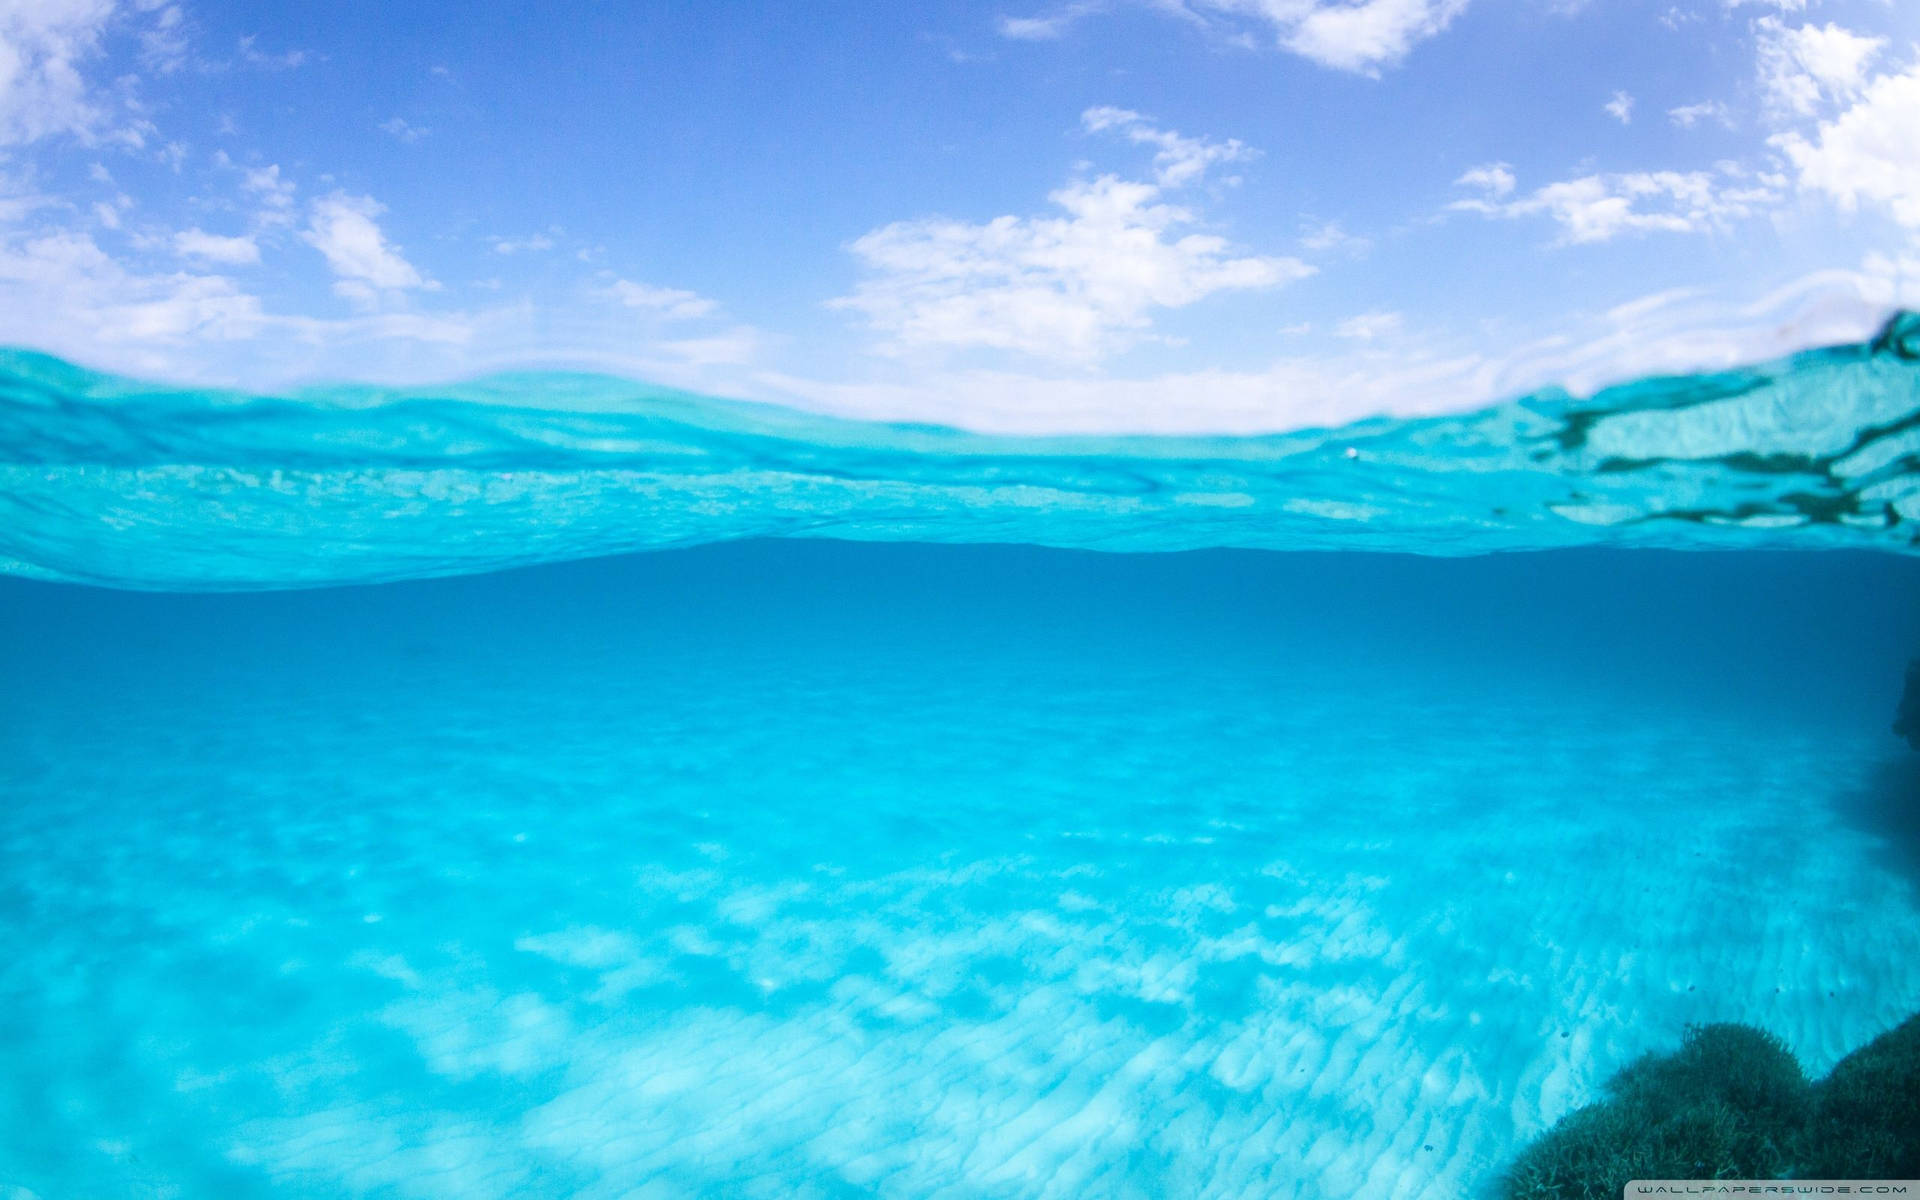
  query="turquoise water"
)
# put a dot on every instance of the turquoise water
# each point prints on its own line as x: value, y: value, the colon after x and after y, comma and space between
x: 117, y: 482
x: 895, y: 826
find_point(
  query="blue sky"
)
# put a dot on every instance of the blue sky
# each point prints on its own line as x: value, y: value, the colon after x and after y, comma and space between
x: 1119, y: 214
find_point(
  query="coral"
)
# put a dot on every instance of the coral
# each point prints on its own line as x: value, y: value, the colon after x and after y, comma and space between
x: 1729, y: 1104
x: 1866, y: 1114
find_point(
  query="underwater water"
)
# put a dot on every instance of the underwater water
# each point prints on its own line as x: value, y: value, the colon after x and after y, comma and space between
x: 553, y: 786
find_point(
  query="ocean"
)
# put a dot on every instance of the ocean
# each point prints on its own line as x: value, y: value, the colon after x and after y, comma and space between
x: 552, y: 785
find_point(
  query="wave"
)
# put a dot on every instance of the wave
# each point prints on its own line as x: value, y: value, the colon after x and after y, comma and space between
x: 117, y: 482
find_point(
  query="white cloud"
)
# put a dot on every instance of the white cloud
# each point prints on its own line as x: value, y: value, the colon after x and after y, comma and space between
x: 1033, y: 29
x: 253, y: 56
x: 1177, y: 160
x: 18, y: 202
x: 1370, y: 325
x: 43, y: 45
x: 271, y: 192
x: 399, y: 128
x: 1350, y: 35
x: 735, y: 347
x: 343, y: 228
x: 1868, y: 153
x: 672, y: 303
x: 211, y: 247
x: 1620, y: 108
x: 1496, y: 179
x: 1046, y: 28
x: 1331, y: 235
x: 60, y: 288
x: 1071, y: 287
x: 1598, y: 208
x: 1686, y: 116
x: 1361, y: 36
x: 166, y: 306
x: 1420, y: 372
x: 49, y: 47
x: 533, y: 243
x: 1801, y: 66
x: 163, y: 45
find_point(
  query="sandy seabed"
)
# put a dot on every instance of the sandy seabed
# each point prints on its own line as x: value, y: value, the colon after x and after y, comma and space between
x: 616, y: 915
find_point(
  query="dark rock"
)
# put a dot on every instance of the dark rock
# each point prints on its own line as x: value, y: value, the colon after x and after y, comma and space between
x: 1906, y: 722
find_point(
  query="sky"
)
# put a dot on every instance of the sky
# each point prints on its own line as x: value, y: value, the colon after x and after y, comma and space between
x: 1039, y: 215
